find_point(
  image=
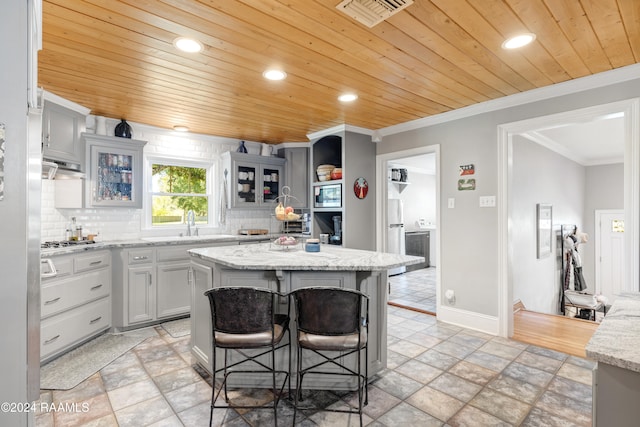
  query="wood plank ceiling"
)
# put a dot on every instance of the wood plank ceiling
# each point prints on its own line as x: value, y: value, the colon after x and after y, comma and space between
x: 116, y: 57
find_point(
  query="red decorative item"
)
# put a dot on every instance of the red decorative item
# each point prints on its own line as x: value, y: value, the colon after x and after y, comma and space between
x: 360, y: 188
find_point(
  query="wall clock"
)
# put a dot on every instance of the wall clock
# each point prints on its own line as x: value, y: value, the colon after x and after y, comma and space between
x: 360, y: 188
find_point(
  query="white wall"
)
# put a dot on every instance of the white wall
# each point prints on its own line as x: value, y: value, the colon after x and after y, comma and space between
x: 124, y: 223
x: 541, y: 176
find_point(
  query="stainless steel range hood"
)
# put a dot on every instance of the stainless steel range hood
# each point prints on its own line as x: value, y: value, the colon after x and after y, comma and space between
x: 56, y: 169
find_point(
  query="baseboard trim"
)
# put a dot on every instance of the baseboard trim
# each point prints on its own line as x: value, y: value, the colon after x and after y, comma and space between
x: 469, y: 319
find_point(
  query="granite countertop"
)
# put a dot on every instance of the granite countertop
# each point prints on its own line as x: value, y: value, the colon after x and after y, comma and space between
x: 155, y: 242
x: 617, y: 340
x: 267, y: 256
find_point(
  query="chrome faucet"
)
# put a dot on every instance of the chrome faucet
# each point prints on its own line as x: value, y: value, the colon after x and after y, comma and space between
x: 191, y: 221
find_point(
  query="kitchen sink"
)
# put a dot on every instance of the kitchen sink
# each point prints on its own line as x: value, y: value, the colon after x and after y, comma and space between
x: 211, y: 237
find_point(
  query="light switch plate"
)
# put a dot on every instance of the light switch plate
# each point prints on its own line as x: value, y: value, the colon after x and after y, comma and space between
x: 451, y: 203
x: 487, y: 201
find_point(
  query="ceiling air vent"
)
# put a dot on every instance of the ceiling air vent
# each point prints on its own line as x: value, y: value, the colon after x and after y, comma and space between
x: 372, y: 12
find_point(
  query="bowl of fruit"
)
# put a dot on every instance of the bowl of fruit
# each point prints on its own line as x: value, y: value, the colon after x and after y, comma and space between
x: 286, y: 213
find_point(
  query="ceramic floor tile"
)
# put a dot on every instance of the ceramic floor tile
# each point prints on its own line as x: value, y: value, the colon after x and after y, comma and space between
x: 165, y: 365
x: 379, y: 402
x: 144, y: 413
x: 435, y: 403
x: 125, y: 376
x: 576, y: 373
x: 396, y: 384
x: 189, y: 396
x: 171, y: 421
x: 419, y: 371
x: 569, y: 388
x: 437, y: 359
x: 539, y: 418
x: 132, y: 394
x: 515, y: 388
x: 106, y: 421
x: 395, y: 359
x: 85, y: 411
x: 547, y: 352
x: 455, y: 386
x: 582, y: 362
x: 198, y: 416
x: 538, y: 361
x: 473, y: 372
x: 528, y: 374
x: 473, y: 417
x: 468, y: 340
x: 407, y: 415
x: 501, y: 350
x: 562, y: 406
x: 489, y: 361
x: 91, y: 387
x: 454, y: 349
x: 423, y: 339
x: 501, y: 406
x: 155, y: 353
x: 176, y: 379
x: 407, y: 348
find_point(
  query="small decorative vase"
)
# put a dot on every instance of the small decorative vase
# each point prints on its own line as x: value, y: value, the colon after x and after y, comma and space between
x: 123, y: 130
x: 242, y: 148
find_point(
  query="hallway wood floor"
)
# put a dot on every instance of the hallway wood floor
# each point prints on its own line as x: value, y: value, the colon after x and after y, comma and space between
x: 566, y: 334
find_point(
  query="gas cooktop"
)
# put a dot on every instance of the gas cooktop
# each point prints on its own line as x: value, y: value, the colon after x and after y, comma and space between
x: 65, y: 243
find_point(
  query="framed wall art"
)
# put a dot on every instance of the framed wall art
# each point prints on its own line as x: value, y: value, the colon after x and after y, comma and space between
x: 544, y: 214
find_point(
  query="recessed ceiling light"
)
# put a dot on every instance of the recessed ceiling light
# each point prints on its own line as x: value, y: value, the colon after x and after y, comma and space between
x: 187, y: 45
x: 274, y: 74
x: 179, y: 128
x: 518, y: 41
x: 347, y: 97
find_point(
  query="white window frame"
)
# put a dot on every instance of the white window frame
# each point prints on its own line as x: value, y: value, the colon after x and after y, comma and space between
x: 147, y: 202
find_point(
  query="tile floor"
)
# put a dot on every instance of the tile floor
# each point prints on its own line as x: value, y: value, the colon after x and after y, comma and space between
x: 415, y: 289
x: 437, y: 375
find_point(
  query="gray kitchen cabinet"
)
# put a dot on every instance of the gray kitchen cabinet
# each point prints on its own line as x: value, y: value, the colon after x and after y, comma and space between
x: 253, y: 181
x: 75, y: 303
x: 296, y: 172
x: 115, y: 172
x: 140, y: 294
x: 201, y: 281
x: 61, y: 134
x: 154, y: 284
x: 417, y: 243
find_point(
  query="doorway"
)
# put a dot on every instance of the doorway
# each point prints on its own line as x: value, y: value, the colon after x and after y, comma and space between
x: 609, y: 259
x: 418, y: 195
x: 507, y: 133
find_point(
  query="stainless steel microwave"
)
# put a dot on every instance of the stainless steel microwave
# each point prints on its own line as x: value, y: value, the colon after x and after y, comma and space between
x: 328, y: 196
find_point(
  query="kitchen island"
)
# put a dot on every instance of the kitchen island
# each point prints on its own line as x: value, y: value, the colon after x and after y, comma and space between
x: 283, y: 270
x: 616, y: 347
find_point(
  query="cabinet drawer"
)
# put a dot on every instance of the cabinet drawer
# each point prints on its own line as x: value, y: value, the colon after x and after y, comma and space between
x: 92, y: 261
x: 178, y: 253
x: 140, y: 256
x: 74, y: 291
x: 63, y: 266
x: 71, y: 327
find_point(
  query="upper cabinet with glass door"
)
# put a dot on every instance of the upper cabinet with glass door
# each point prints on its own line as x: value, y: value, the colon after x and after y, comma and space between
x: 252, y: 181
x: 115, y: 171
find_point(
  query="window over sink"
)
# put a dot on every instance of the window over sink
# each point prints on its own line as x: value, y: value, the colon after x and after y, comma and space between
x: 175, y: 187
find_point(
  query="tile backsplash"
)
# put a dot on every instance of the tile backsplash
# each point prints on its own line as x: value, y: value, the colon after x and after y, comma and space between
x: 124, y: 223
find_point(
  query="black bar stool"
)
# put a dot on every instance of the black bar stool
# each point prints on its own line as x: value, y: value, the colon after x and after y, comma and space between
x: 332, y: 323
x: 245, y: 318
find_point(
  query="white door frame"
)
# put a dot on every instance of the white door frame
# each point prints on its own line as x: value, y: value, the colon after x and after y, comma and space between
x: 382, y: 161
x: 506, y: 132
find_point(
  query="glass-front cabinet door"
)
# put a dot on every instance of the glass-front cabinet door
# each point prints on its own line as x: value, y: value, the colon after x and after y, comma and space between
x: 115, y: 172
x: 253, y: 181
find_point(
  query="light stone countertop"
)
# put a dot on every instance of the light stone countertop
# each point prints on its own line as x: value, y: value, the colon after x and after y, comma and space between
x: 617, y: 340
x: 268, y: 256
x: 155, y: 242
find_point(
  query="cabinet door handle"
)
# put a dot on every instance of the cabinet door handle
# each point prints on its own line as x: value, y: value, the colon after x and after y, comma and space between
x: 150, y: 279
x: 52, y: 301
x: 139, y: 258
x: 50, y: 340
x: 95, y: 320
x: 96, y: 262
x: 93, y: 288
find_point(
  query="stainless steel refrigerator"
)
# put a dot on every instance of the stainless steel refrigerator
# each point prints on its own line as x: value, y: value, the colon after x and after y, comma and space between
x: 395, y: 231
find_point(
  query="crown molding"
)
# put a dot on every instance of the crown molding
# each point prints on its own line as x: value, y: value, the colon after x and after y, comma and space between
x: 606, y: 78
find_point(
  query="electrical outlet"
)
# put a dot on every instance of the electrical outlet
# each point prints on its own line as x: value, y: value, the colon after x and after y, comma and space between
x: 451, y: 203
x: 487, y: 201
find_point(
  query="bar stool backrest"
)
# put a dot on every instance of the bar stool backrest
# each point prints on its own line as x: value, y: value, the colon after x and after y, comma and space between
x: 328, y: 311
x: 241, y: 310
